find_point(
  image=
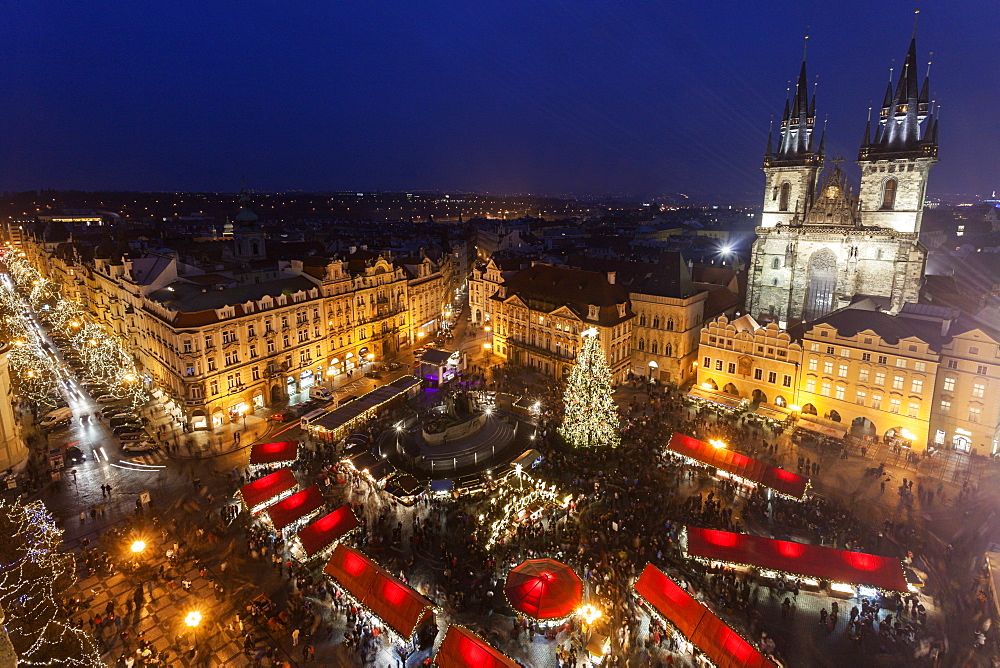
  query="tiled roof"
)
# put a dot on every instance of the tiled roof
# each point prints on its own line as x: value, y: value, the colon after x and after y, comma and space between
x: 546, y: 287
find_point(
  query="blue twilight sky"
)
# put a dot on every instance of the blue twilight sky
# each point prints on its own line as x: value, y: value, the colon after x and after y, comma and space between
x: 546, y: 96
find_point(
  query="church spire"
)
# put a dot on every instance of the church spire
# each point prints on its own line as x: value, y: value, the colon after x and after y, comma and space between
x: 795, y: 143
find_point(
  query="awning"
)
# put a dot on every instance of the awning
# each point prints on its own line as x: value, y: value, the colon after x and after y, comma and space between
x: 825, y: 430
x: 715, y: 397
x: 398, y: 606
x: 262, y: 490
x: 294, y: 508
x: 364, y: 461
x: 462, y: 648
x: 772, y: 413
x: 325, y: 531
x: 780, y: 480
x: 824, y: 563
x: 274, y: 453
x: 721, y: 644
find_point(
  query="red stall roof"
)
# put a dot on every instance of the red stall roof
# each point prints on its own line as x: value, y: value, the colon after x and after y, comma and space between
x: 780, y: 480
x: 264, y: 489
x: 724, y: 646
x: 543, y: 589
x: 464, y: 649
x: 324, y: 531
x: 825, y: 563
x: 272, y: 453
x: 397, y: 605
x: 295, y: 507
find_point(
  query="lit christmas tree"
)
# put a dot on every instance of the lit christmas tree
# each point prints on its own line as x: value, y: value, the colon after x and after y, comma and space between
x: 591, y: 415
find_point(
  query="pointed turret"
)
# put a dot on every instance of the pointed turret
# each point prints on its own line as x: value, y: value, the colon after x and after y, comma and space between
x: 795, y: 144
x: 770, y: 133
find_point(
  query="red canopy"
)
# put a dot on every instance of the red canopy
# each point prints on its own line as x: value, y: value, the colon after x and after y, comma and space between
x: 295, y: 507
x: 720, y: 643
x: 544, y: 589
x: 780, y: 480
x: 272, y: 453
x: 264, y: 489
x: 824, y: 563
x: 397, y: 605
x: 320, y: 534
x: 464, y: 649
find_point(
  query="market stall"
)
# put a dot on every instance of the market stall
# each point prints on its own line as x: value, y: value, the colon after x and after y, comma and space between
x: 726, y: 401
x: 699, y: 625
x: 326, y: 531
x: 273, y: 455
x: 844, y: 570
x: 462, y: 648
x: 544, y: 590
x: 827, y: 430
x: 294, y: 509
x: 733, y: 464
x: 340, y: 422
x: 397, y: 606
x: 269, y: 489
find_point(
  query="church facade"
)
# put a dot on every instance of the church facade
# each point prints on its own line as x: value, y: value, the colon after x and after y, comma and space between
x: 820, y: 245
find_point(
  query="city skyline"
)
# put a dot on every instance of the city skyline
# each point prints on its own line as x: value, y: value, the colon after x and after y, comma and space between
x: 540, y: 99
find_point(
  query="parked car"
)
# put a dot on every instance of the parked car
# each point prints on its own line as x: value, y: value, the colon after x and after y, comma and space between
x: 109, y: 411
x: 52, y: 425
x: 139, y: 446
x: 106, y: 398
x: 125, y: 428
x: 281, y: 416
x: 74, y: 454
x: 137, y: 435
x: 119, y: 419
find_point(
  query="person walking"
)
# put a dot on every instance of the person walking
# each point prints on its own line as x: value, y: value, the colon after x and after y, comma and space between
x: 295, y: 637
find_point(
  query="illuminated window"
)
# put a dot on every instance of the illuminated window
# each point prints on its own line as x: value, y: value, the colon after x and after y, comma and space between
x: 914, y: 410
x: 863, y: 375
x: 842, y: 371
x: 880, y: 378
x: 949, y: 384
x: 978, y: 390
x: 827, y: 367
x: 901, y: 362
x: 840, y: 392
x: 813, y: 364
x: 945, y: 406
x: 861, y: 398
x: 825, y: 389
x: 810, y: 385
x: 916, y: 386
x: 877, y: 401
x: 975, y: 412
x: 919, y: 366
x: 897, y: 382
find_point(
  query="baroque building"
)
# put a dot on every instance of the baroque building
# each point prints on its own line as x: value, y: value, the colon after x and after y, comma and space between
x: 820, y: 247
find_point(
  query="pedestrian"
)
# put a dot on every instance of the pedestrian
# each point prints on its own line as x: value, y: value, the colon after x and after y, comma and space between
x: 295, y: 637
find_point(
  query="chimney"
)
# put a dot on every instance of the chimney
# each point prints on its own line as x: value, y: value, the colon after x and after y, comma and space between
x: 611, y: 277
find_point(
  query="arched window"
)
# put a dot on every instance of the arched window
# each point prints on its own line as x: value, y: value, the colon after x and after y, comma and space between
x: 642, y: 321
x: 670, y: 324
x: 776, y: 263
x: 878, y: 254
x: 786, y: 193
x: 774, y: 193
x: 642, y: 344
x: 656, y: 322
x: 889, y: 195
x: 668, y: 350
x: 653, y: 346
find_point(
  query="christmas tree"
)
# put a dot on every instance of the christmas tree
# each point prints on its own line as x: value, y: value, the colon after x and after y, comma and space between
x: 591, y: 415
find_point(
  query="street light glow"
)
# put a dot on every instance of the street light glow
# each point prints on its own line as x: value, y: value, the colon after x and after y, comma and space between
x: 193, y: 618
x: 138, y: 546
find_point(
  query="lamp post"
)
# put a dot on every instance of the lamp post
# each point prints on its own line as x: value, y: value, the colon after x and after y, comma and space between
x: 137, y: 548
x: 193, y: 619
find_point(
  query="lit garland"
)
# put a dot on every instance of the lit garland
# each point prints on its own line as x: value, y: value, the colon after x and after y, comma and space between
x: 514, y: 494
x: 591, y: 415
x: 32, y: 570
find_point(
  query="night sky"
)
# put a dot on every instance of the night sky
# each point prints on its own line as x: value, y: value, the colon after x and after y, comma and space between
x: 542, y: 97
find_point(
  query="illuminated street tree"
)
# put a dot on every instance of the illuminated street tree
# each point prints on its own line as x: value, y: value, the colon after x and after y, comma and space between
x: 33, y: 574
x: 591, y: 415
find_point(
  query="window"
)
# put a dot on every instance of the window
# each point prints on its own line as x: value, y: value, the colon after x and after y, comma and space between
x: 900, y: 362
x: 786, y: 380
x: 642, y: 345
x: 949, y: 384
x: 253, y: 352
x: 829, y: 350
x: 913, y: 410
x: 825, y: 389
x: 213, y: 387
x: 827, y: 367
x: 758, y: 374
x: 845, y: 352
x: 814, y: 347
x: 973, y: 350
x: 284, y: 340
x: 897, y: 382
x: 195, y: 392
x: 840, y: 391
x: 187, y: 345
x: 842, y: 371
x: 670, y: 324
x: 866, y: 357
x: 707, y: 362
x: 894, y: 405
x: 211, y: 364
x: 863, y: 375
x: 718, y: 365
x: 813, y: 364
x: 270, y: 347
x: 776, y: 263
x: 208, y: 342
x: 861, y: 398
x: 868, y: 340
x: 916, y: 386
x: 880, y: 378
x: 919, y: 366
x: 975, y: 412
x: 952, y: 364
x: 877, y: 402
x: 825, y: 334
x: 731, y: 368
x: 786, y: 193
x: 251, y: 331
x: 960, y: 231
x: 945, y: 406
x: 810, y: 385
x: 772, y: 377
x: 255, y: 373
x: 888, y: 195
x: 978, y: 390
x: 912, y: 348
x: 882, y: 359
x: 982, y: 369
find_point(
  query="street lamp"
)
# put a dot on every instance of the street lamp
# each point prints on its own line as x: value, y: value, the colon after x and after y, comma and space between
x: 138, y: 546
x: 193, y: 619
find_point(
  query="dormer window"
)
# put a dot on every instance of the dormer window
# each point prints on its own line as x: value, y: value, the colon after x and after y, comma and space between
x: 592, y: 312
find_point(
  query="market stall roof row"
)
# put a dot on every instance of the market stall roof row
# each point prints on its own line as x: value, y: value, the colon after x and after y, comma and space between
x: 347, y: 414
x: 328, y: 529
x: 823, y: 429
x: 462, y: 648
x: 824, y: 563
x: 262, y: 454
x: 397, y: 605
x: 720, y: 643
x: 720, y: 398
x: 295, y: 507
x: 264, y: 490
x: 754, y: 470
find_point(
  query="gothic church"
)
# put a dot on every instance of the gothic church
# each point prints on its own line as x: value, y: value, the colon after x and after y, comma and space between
x: 821, y: 248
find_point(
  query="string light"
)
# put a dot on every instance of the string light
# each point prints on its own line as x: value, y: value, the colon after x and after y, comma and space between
x: 591, y: 415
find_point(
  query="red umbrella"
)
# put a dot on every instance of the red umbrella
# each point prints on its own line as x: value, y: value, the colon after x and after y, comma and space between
x: 544, y: 589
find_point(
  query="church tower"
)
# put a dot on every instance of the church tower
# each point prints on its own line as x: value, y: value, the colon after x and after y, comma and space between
x: 248, y: 237
x: 791, y: 172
